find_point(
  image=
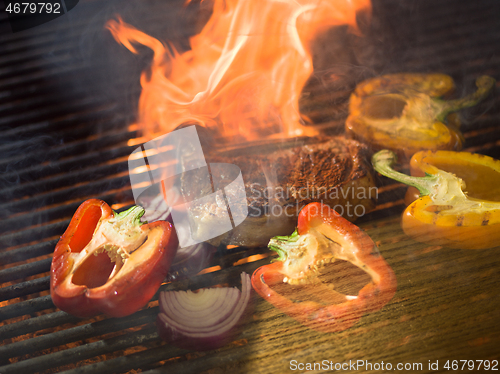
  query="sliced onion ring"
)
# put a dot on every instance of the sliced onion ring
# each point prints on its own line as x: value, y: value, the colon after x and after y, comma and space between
x: 204, y: 320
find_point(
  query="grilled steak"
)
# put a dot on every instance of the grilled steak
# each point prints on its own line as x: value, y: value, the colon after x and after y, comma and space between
x: 279, y: 179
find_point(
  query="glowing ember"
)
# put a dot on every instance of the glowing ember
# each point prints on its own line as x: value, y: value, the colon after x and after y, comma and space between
x: 245, y: 71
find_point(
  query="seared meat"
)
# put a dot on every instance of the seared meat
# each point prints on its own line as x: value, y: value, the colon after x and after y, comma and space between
x: 279, y: 179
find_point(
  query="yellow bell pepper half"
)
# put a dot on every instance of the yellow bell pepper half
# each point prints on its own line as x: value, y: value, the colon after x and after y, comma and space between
x: 404, y: 112
x: 457, y: 212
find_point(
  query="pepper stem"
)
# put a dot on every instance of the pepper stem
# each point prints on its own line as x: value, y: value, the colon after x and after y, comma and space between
x: 276, y: 244
x: 132, y: 215
x: 382, y: 162
x: 484, y: 85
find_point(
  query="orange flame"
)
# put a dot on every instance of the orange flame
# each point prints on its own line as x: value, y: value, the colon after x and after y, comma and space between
x: 245, y: 71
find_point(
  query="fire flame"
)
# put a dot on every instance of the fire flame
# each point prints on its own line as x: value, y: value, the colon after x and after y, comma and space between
x: 245, y: 71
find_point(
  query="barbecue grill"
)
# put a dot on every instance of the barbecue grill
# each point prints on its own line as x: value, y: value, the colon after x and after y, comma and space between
x: 68, y: 94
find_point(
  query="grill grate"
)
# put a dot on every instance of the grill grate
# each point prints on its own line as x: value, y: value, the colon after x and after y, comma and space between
x: 64, y: 138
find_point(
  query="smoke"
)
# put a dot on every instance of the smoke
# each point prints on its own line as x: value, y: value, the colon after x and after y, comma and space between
x: 85, y: 61
x: 35, y: 150
x: 115, y: 71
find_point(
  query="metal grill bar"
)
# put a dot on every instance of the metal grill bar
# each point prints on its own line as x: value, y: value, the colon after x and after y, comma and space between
x: 26, y: 307
x: 24, y: 288
x: 75, y: 334
x: 31, y: 251
x: 55, y: 197
x: 36, y: 234
x: 25, y: 270
x: 82, y: 352
x: 33, y: 324
x: 74, y: 148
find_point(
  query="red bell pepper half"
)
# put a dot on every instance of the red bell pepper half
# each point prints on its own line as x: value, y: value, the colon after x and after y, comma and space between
x: 108, y: 262
x: 321, y: 237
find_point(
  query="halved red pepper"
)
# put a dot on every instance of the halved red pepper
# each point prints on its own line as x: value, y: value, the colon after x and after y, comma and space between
x: 108, y: 262
x: 321, y: 237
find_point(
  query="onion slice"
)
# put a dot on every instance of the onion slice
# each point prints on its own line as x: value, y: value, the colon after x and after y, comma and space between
x: 207, y: 319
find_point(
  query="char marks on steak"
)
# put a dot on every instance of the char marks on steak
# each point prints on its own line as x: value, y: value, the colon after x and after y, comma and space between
x: 279, y: 179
